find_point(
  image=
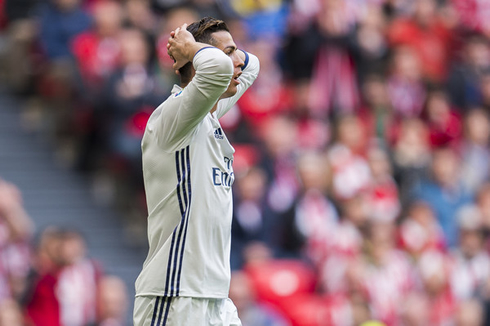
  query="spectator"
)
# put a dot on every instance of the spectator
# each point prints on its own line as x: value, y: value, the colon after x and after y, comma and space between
x: 471, y: 270
x: 16, y: 229
x: 382, y: 194
x: 405, y: 85
x: 388, y: 275
x: 11, y: 313
x: 312, y: 218
x: 112, y: 301
x: 76, y: 286
x: 371, y: 47
x: 41, y: 303
x: 420, y: 231
x: 333, y: 87
x: 464, y: 78
x: 376, y: 112
x: 97, y: 51
x: 350, y: 170
x: 470, y: 313
x: 434, y: 271
x: 252, y: 220
x: 60, y: 21
x: 251, y: 312
x: 131, y: 96
x: 280, y: 136
x: 425, y: 34
x: 475, y: 149
x: 444, y: 124
x: 140, y: 16
x: 340, y: 271
x: 411, y: 156
x: 444, y: 191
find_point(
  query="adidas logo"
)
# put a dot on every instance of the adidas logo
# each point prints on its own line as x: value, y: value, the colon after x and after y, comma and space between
x: 218, y: 134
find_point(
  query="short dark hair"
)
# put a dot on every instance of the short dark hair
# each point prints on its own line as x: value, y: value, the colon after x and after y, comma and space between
x: 202, y: 31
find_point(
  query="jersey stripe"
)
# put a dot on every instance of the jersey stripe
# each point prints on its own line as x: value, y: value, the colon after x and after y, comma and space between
x: 182, y: 222
x: 183, y: 189
x: 172, y: 243
x: 157, y: 300
x: 162, y: 303
x: 160, y: 315
x: 189, y: 194
x: 167, y: 309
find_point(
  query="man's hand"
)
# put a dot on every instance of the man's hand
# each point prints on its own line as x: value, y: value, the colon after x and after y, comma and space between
x: 182, y: 46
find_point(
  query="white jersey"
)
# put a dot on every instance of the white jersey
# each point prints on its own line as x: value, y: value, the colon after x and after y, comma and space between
x: 188, y: 174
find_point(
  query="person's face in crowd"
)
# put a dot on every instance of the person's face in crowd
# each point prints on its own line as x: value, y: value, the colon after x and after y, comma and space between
x: 469, y: 313
x: 375, y: 93
x: 477, y: 54
x: 413, y: 143
x: 485, y: 88
x: 351, y: 133
x: 379, y: 163
x: 252, y: 185
x: 134, y: 49
x: 73, y: 248
x: 108, y: 16
x: 10, y: 313
x: 445, y: 167
x: 139, y: 14
x: 422, y: 214
x: 471, y: 242
x: 432, y: 268
x: 224, y: 41
x: 354, y: 210
x: 280, y: 136
x: 477, y: 127
x: 112, y: 298
x: 425, y: 11
x: 313, y: 171
x: 483, y: 202
x: 437, y: 108
x: 381, y: 239
x: 415, y: 310
x: 49, y: 251
x: 406, y: 64
x: 241, y: 292
x: 67, y: 5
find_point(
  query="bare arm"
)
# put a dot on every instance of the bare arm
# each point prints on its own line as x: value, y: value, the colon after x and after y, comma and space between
x: 13, y: 213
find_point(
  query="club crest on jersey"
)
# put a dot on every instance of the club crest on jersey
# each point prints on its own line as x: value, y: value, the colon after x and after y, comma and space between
x: 218, y: 134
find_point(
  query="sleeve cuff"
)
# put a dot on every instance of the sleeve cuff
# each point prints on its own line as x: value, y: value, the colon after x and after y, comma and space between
x: 246, y: 60
x: 206, y: 47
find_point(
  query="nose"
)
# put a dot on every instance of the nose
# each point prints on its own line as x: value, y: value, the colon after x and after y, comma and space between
x: 237, y: 61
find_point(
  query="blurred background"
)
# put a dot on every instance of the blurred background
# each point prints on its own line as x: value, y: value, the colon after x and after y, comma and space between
x: 362, y: 159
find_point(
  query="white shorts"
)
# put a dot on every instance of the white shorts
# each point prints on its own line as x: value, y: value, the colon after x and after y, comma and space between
x: 184, y: 311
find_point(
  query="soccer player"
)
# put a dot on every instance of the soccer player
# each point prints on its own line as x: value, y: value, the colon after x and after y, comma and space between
x: 188, y: 174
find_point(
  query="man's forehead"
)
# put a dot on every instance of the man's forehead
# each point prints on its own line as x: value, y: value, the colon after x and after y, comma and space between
x: 223, y: 39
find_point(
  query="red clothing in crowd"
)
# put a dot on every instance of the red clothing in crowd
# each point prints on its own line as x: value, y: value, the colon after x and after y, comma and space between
x: 43, y: 308
x: 445, y: 132
x: 431, y: 43
x: 96, y: 57
x: 474, y: 14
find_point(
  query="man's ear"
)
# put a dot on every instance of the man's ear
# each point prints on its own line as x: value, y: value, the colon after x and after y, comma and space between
x: 177, y: 72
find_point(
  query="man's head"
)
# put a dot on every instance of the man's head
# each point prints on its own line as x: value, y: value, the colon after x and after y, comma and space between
x: 214, y: 32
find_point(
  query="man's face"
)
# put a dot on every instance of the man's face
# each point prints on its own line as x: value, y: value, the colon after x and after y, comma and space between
x: 224, y: 42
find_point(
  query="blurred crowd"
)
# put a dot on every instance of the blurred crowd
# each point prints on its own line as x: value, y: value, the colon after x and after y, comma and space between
x: 362, y: 157
x: 48, y: 279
